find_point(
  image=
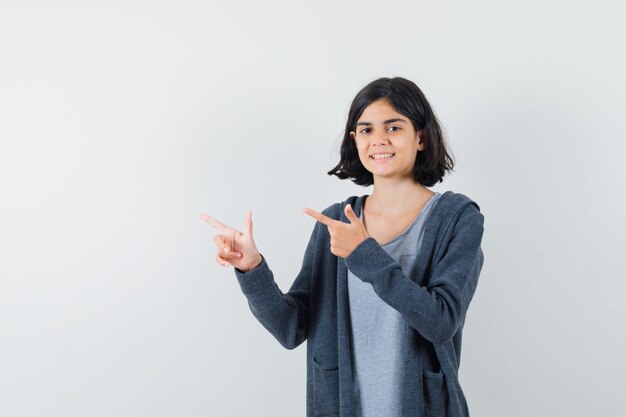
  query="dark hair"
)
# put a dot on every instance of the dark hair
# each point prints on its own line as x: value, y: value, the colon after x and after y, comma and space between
x: 407, y: 99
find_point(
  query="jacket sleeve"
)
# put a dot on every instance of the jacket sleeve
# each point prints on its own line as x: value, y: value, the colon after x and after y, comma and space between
x: 438, y: 309
x: 283, y: 315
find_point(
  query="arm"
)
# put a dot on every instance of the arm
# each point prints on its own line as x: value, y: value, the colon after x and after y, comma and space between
x: 437, y: 310
x: 283, y: 315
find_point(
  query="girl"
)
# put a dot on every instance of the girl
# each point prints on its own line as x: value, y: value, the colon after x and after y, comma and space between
x: 386, y: 279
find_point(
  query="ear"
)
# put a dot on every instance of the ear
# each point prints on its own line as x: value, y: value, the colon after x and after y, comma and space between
x: 419, y: 135
x: 352, y: 135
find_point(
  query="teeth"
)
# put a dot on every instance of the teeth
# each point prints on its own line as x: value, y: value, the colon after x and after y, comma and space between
x: 382, y: 155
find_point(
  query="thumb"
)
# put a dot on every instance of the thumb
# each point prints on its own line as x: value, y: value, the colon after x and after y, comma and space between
x: 248, y: 223
x: 350, y: 214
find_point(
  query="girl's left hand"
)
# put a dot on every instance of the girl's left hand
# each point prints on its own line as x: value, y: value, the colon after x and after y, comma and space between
x: 344, y: 237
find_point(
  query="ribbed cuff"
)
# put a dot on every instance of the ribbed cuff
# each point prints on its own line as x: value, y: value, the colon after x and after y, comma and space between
x: 367, y: 258
x: 257, y: 280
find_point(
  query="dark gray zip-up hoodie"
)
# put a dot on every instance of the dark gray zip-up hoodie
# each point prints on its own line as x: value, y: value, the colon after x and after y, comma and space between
x: 433, y: 303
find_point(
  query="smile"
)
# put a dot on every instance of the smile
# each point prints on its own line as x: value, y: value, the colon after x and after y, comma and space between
x: 382, y: 156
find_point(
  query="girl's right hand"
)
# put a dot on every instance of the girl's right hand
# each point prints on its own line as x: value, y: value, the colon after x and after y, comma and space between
x: 233, y: 247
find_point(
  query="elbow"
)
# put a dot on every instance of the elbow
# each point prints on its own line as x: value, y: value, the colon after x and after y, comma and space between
x: 443, y: 334
x: 290, y: 342
x: 288, y: 329
x: 289, y: 345
x: 444, y: 328
x: 445, y: 320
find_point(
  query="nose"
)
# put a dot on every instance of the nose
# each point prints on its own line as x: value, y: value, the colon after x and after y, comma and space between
x: 380, y: 139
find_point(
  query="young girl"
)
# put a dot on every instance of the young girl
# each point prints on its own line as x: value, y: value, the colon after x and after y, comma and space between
x: 387, y: 278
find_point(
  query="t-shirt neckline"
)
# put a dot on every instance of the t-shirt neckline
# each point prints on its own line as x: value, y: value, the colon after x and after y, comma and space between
x: 401, y: 235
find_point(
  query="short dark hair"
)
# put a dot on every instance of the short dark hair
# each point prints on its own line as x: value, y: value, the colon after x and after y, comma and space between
x: 407, y: 99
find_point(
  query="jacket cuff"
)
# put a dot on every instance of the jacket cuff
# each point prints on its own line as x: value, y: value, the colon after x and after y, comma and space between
x: 257, y: 280
x: 367, y: 258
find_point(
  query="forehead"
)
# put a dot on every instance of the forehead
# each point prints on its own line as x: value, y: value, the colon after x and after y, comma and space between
x: 380, y: 110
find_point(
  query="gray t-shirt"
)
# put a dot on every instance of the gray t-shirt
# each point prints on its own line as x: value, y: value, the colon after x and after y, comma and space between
x: 379, y: 332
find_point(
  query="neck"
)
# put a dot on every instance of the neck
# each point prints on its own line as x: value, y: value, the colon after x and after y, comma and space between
x: 394, y: 197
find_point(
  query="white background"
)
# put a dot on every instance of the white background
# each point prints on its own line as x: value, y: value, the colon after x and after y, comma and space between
x: 121, y: 121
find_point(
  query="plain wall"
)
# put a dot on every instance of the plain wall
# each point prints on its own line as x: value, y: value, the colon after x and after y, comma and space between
x: 121, y: 121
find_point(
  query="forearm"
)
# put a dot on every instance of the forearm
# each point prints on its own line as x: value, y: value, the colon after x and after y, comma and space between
x: 437, y: 309
x: 281, y: 314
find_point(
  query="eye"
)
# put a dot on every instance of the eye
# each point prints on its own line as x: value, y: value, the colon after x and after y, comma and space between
x: 364, y: 130
x: 394, y: 127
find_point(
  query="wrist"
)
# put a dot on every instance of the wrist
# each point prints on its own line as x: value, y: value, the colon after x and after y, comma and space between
x: 258, y: 259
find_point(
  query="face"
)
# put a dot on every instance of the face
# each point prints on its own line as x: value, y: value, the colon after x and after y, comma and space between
x: 386, y: 141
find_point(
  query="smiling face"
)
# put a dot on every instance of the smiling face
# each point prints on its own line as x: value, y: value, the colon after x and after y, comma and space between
x: 386, y: 141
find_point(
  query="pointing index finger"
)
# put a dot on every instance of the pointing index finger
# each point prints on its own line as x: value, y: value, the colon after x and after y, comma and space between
x: 319, y: 216
x: 213, y: 222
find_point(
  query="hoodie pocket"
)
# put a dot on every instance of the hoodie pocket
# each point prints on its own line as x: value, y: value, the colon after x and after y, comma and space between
x: 435, y: 394
x: 325, y: 389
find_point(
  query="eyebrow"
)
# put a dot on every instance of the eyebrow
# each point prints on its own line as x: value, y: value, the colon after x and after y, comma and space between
x: 385, y: 122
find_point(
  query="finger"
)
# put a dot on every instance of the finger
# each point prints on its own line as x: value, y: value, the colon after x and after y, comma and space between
x: 213, y: 222
x: 222, y: 242
x: 350, y: 214
x: 319, y: 216
x: 220, y: 261
x: 229, y: 254
x: 248, y: 223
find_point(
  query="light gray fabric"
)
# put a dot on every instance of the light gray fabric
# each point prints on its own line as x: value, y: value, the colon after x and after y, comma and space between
x: 380, y: 335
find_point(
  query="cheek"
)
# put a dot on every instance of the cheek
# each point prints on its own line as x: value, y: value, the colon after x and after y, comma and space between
x: 360, y: 150
x: 363, y: 155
